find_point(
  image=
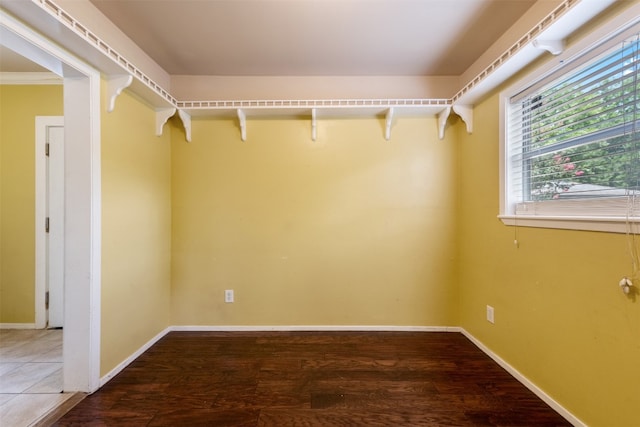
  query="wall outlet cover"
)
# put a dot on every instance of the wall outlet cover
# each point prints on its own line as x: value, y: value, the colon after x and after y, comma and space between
x: 490, y: 314
x: 228, y: 295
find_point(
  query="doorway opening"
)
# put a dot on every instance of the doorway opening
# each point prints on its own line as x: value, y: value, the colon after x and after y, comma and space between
x: 82, y: 200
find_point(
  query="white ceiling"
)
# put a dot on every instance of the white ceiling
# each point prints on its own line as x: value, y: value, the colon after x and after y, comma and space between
x: 314, y: 37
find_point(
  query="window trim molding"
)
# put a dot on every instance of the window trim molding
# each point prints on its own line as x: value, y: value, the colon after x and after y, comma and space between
x: 619, y: 27
x: 584, y: 223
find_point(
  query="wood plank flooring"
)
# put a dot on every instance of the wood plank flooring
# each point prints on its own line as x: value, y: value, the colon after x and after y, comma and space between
x: 313, y: 379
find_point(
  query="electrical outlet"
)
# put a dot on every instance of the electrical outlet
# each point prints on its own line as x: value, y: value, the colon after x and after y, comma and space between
x: 490, y: 317
x: 228, y: 295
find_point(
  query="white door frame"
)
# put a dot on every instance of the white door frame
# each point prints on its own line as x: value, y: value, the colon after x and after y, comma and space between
x: 42, y: 125
x: 81, y: 334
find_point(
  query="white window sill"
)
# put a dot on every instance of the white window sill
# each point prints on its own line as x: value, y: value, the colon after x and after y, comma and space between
x: 604, y: 224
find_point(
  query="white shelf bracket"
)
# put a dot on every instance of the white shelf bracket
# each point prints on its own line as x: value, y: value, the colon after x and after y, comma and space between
x: 466, y: 114
x: 314, y: 124
x: 242, y: 118
x: 554, y: 47
x: 388, y: 123
x: 186, y: 122
x: 115, y: 86
x: 162, y: 115
x: 442, y: 121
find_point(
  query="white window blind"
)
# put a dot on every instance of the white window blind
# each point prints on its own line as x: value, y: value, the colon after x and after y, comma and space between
x: 574, y: 143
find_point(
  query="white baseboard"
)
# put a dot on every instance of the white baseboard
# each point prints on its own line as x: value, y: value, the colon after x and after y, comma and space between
x: 525, y: 381
x: 318, y: 328
x: 115, y: 371
x: 17, y: 326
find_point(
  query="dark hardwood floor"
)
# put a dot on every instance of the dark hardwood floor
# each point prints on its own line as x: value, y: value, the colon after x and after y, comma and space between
x: 313, y: 379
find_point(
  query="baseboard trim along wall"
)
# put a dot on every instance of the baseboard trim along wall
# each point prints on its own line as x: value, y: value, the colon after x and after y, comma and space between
x: 319, y: 328
x: 17, y: 325
x: 115, y: 371
x: 525, y: 381
x: 347, y: 328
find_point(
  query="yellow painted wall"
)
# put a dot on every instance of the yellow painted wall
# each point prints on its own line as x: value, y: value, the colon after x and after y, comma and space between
x: 560, y: 317
x: 136, y: 230
x: 348, y: 230
x: 19, y: 105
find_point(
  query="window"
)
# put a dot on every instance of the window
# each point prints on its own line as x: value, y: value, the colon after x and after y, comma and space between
x: 571, y: 143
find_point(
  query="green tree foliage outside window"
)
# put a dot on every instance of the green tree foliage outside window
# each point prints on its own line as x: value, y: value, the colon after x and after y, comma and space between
x: 581, y: 135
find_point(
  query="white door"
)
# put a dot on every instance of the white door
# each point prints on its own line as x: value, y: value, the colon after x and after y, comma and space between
x: 55, y: 226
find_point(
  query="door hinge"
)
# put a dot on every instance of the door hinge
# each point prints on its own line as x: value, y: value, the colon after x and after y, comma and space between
x: 46, y: 224
x: 46, y: 149
x: 46, y: 300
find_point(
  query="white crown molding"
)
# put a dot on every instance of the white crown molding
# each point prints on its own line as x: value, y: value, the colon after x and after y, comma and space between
x: 32, y: 78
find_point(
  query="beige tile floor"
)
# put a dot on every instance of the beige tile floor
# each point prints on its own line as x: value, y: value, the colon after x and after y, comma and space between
x: 30, y: 375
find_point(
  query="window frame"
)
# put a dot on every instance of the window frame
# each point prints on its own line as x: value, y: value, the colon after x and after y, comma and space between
x: 564, y: 214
